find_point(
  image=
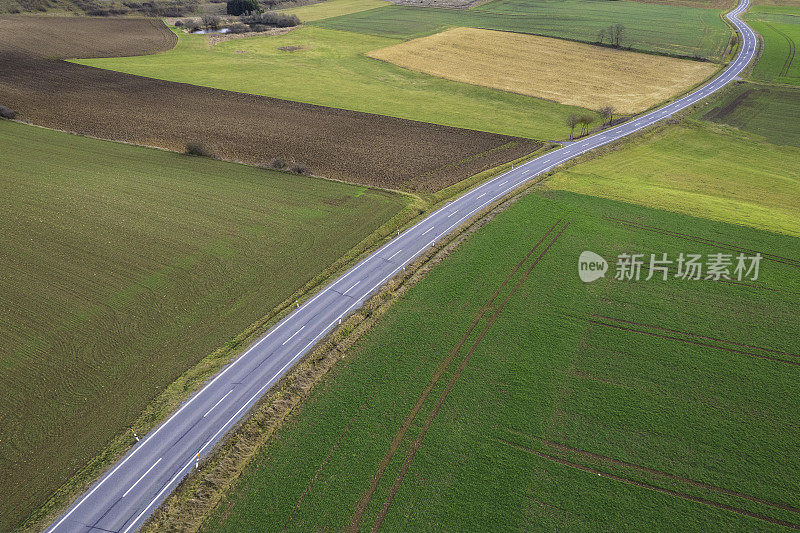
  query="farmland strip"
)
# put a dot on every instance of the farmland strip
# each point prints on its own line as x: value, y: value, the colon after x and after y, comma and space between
x: 367, y: 496
x: 410, y: 457
x: 648, y: 486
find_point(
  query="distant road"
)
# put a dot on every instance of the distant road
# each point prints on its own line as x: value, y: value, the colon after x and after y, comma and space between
x: 130, y: 491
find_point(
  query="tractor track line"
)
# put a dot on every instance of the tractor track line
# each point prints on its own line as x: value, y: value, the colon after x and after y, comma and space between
x: 740, y: 344
x: 655, y: 488
x: 367, y: 496
x: 780, y: 259
x: 418, y: 443
x: 696, y: 343
x: 653, y: 471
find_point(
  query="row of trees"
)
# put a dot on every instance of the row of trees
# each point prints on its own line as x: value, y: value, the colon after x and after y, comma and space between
x: 586, y: 120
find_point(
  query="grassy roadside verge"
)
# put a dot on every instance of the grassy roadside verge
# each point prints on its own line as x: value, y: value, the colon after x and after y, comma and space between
x: 193, y: 379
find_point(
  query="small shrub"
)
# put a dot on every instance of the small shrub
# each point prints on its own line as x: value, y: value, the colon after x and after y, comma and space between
x: 178, y: 23
x: 211, y: 22
x: 240, y: 7
x: 8, y: 113
x: 278, y: 163
x: 239, y: 28
x: 198, y: 150
x: 299, y: 168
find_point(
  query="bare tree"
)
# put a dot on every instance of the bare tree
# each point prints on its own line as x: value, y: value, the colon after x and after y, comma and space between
x: 601, y: 36
x: 616, y: 32
x: 585, y: 121
x: 572, y: 121
x: 607, y: 113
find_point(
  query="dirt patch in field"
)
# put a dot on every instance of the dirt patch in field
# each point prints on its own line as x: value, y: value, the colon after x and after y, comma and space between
x: 84, y: 37
x: 294, y: 48
x: 357, y: 147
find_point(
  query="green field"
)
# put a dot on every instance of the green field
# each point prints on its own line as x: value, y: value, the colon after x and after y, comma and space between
x: 699, y: 169
x: 677, y: 30
x: 333, y: 8
x: 771, y: 112
x: 123, y: 267
x: 331, y: 69
x: 780, y: 28
x: 543, y: 403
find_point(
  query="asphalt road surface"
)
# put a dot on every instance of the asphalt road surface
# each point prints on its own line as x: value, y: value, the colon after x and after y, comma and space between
x: 134, y: 487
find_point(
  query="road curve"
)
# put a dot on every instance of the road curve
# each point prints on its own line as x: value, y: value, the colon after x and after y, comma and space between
x: 123, y: 498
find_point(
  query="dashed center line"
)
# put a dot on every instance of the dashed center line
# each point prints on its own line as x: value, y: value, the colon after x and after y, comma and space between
x: 295, y: 333
x: 216, y: 404
x: 394, y: 254
x: 353, y: 285
x: 453, y: 213
x: 428, y: 230
x: 481, y: 196
x: 141, y: 478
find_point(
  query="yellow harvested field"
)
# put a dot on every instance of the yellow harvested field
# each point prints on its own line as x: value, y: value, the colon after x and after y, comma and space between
x: 568, y: 72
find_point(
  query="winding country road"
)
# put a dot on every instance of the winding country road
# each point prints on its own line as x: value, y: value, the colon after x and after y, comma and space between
x: 132, y: 489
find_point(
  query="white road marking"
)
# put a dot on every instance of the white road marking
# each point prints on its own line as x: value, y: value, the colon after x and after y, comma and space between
x: 428, y: 230
x: 141, y: 478
x: 394, y: 254
x: 503, y: 183
x: 482, y: 195
x: 293, y: 334
x: 354, y: 284
x: 216, y: 404
x: 453, y: 213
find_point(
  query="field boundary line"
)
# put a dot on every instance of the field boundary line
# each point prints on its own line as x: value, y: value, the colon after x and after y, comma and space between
x: 383, y: 465
x: 418, y: 443
x: 690, y: 481
x: 648, y: 486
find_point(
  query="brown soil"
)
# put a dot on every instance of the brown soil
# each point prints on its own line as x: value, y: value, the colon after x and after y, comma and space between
x: 357, y: 147
x: 84, y: 37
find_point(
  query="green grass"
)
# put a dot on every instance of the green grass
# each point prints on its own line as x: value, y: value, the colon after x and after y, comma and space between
x: 699, y: 169
x: 542, y: 372
x: 332, y: 70
x: 123, y: 267
x: 780, y: 28
x: 771, y: 112
x: 333, y: 8
x: 675, y: 30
